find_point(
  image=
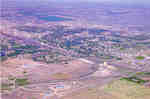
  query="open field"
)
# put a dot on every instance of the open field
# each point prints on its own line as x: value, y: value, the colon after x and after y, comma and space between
x: 120, y: 89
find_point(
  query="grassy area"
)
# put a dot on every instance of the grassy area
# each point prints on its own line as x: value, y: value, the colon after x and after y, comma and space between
x: 134, y: 79
x: 124, y: 89
x: 3, y: 58
x: 122, y: 49
x: 6, y: 86
x: 11, y: 78
x: 118, y: 58
x: 22, y: 82
x: 137, y: 78
x: 120, y: 89
x: 140, y: 57
x: 143, y: 73
x: 61, y: 76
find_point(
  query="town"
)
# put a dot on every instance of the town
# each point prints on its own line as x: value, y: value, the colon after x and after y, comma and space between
x: 74, y: 51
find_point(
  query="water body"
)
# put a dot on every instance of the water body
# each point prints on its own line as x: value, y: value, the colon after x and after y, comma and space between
x: 53, y: 18
x: 45, y: 17
x: 71, y: 43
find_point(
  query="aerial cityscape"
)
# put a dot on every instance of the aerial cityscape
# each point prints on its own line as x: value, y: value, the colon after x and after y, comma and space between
x: 53, y: 49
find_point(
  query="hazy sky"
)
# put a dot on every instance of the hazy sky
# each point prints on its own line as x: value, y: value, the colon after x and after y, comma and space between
x: 116, y: 1
x: 130, y: 2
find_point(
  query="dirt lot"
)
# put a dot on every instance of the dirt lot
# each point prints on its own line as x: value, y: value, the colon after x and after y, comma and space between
x: 37, y: 72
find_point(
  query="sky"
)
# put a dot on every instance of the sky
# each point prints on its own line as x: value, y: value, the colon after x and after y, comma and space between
x: 129, y: 2
x: 114, y: 1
